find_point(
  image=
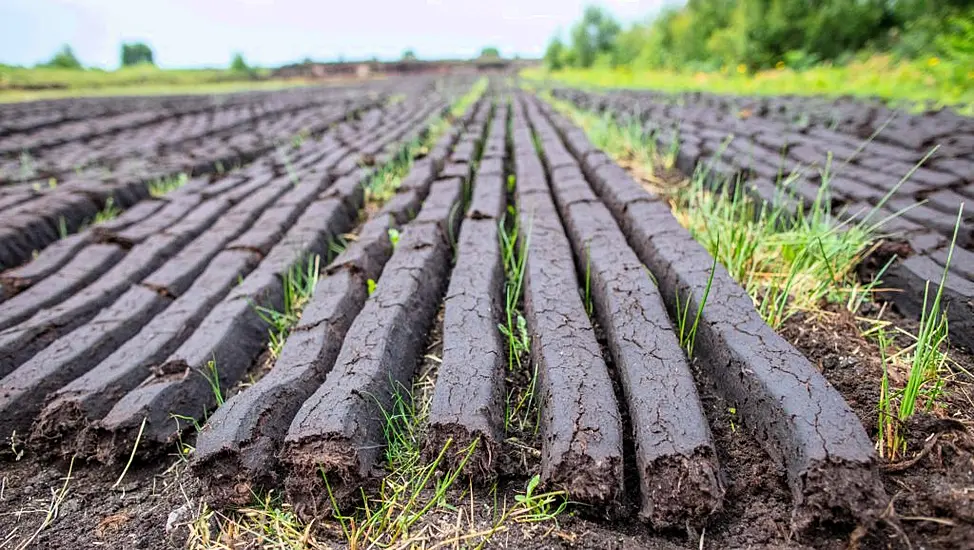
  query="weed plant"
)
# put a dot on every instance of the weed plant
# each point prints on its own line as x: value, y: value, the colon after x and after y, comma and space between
x: 299, y: 285
x: 163, y: 186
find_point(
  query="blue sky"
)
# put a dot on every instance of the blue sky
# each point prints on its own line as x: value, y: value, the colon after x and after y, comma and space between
x: 188, y: 33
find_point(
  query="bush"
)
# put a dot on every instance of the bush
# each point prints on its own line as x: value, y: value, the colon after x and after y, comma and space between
x: 64, y: 59
x: 136, y: 54
x: 239, y: 65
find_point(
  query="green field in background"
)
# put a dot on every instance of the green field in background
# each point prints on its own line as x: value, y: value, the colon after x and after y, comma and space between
x: 928, y: 83
x: 26, y: 84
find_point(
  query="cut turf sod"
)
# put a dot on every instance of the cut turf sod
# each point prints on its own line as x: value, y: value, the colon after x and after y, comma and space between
x: 236, y: 452
x: 231, y: 336
x: 678, y: 471
x: 337, y: 433
x: 797, y: 416
x: 581, y: 428
x: 467, y: 402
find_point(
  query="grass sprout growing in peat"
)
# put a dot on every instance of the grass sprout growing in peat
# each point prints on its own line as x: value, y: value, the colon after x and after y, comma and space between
x: 927, y: 360
x: 514, y: 248
x: 299, y: 284
x: 163, y: 186
x: 109, y: 212
x: 688, y: 334
x: 786, y: 261
x: 212, y: 376
x: 412, y: 488
x: 521, y: 412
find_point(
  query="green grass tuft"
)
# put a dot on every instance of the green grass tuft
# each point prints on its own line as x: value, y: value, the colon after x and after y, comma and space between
x: 299, y: 285
x: 163, y: 186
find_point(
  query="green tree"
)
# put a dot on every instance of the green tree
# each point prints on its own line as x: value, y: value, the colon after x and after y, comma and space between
x: 554, y: 55
x: 409, y: 55
x: 490, y: 51
x: 239, y: 64
x: 595, y: 34
x: 705, y: 34
x: 64, y: 59
x: 136, y: 54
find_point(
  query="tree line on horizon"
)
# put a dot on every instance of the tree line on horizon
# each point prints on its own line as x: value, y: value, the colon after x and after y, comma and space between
x: 707, y: 35
x: 131, y: 55
x: 139, y: 53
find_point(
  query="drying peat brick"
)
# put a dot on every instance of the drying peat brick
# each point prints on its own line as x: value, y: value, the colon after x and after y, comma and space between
x: 581, y: 428
x: 961, y: 261
x: 918, y: 275
x: 130, y: 217
x: 236, y: 452
x: 221, y: 349
x: 80, y: 350
x: 679, y: 474
x: 799, y: 418
x: 467, y: 402
x: 80, y: 271
x: 338, y: 433
x: 173, y: 211
x: 794, y: 413
x: 20, y: 342
x: 13, y: 247
x: 48, y: 261
x: 73, y: 408
x: 677, y: 463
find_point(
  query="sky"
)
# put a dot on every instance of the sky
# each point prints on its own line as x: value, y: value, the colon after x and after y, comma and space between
x: 196, y: 33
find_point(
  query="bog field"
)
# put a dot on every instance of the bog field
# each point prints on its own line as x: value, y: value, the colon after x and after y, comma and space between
x: 484, y: 310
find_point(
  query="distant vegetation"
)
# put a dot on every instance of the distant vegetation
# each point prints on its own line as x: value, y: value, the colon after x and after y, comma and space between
x: 490, y: 51
x: 706, y: 35
x: 24, y: 84
x: 65, y: 75
x: 63, y: 59
x: 917, y: 49
x: 136, y: 54
x: 239, y: 66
